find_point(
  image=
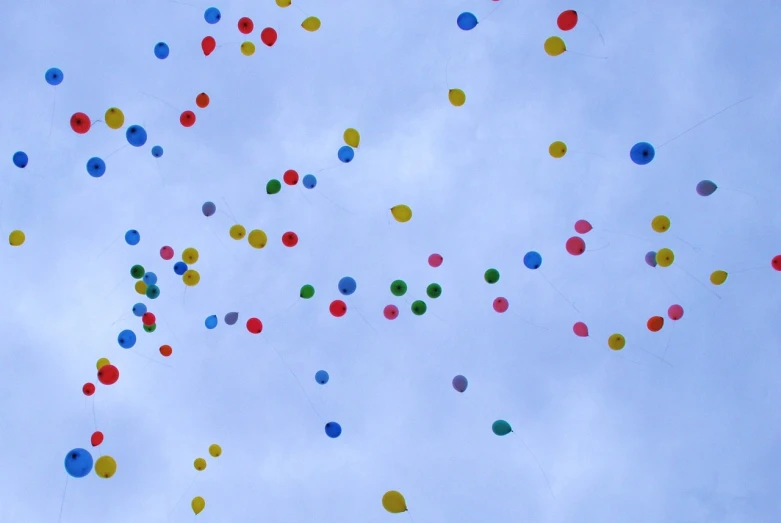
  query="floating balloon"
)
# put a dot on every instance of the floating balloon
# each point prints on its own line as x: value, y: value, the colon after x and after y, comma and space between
x: 208, y: 45
x: 273, y: 186
x: 187, y: 119
x: 254, y: 325
x: 136, y: 135
x: 199, y: 464
x: 655, y: 323
x: 166, y: 350
x: 126, y: 339
x: 394, y: 502
x: 283, y: 3
x: 660, y: 223
x: 96, y: 438
x: 706, y: 188
x: 290, y: 239
x: 419, y: 307
x: 434, y: 291
x: 776, y: 262
x: 16, y: 238
x: 338, y: 308
x: 180, y: 268
x: 190, y: 255
x: 582, y: 227
x: 675, y: 312
x: 457, y: 97
x: 161, y: 50
x: 650, y: 258
x: 132, y: 237
x: 554, y: 46
x: 198, y: 504
x: 268, y: 36
x: 20, y: 159
x: 102, y: 362
x: 212, y: 15
x: 309, y: 181
x: 88, y: 389
x: 290, y: 177
x: 246, y: 25
x: 352, y: 137
x: 345, y: 154
x: 150, y: 278
x: 398, y: 287
x: 311, y: 23
x: 202, y: 100
x: 137, y: 271
x: 616, y: 342
x: 718, y: 277
x: 208, y: 209
x: 665, y: 257
x: 501, y: 305
x: 148, y: 319
x: 247, y: 48
x: 231, y: 318
x: 401, y: 213
x: 460, y: 383
x: 580, y: 329
x: 157, y: 151
x: 532, y: 260
x: 237, y: 232
x: 501, y: 427
x: 114, y: 118
x: 54, y: 76
x: 150, y: 328
x: 108, y: 374
x: 166, y: 252
x: 140, y: 287
x: 333, y: 429
x: 307, y: 291
x: 215, y: 450
x: 80, y: 123
x: 642, y: 153
x: 466, y: 21
x: 491, y: 276
x: 557, y: 149
x: 191, y: 277
x: 321, y: 377
x: 78, y: 463
x: 152, y: 292
x: 257, y: 238
x: 347, y: 286
x: 391, y: 312
x: 567, y: 20
x: 435, y: 260
x: 211, y: 322
x: 576, y: 246
x: 105, y: 467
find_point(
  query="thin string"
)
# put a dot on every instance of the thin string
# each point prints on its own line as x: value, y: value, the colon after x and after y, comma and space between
x: 62, y: 503
x: 51, y: 124
x: 588, y: 56
x: 296, y: 378
x: 560, y: 293
x: 538, y: 464
x: 698, y: 281
x: 705, y: 120
x: 595, y: 27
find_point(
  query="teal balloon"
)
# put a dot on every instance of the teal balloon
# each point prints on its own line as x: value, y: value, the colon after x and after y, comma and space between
x: 501, y: 427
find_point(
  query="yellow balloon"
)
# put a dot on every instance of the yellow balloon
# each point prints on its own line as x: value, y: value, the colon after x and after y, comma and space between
x: 16, y: 238
x: 237, y: 232
x: 247, y: 48
x: 718, y: 277
x: 311, y: 24
x: 557, y: 149
x: 661, y: 223
x: 191, y: 278
x: 105, y: 467
x: 257, y: 238
x: 215, y: 450
x: 616, y: 342
x: 114, y: 118
x: 555, y: 46
x: 283, y: 3
x: 198, y: 504
x: 352, y: 137
x: 190, y: 255
x: 401, y: 213
x: 456, y: 97
x: 140, y: 287
x: 199, y: 464
x: 394, y: 502
x: 102, y: 362
x: 665, y: 257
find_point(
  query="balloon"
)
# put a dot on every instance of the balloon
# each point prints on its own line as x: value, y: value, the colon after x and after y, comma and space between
x: 398, y: 287
x: 54, y: 76
x: 139, y: 309
x: 136, y: 135
x: 105, y: 467
x: 231, y: 318
x: 352, y: 137
x: 20, y: 159
x: 16, y: 238
x: 333, y: 429
x: 273, y: 186
x: 580, y: 329
x: 161, y: 50
x: 198, y: 504
x: 554, y: 46
x: 642, y: 153
x: 108, y: 374
x: 208, y: 209
x: 347, y: 286
x: 88, y: 389
x: 660, y: 223
x: 150, y: 278
x: 419, y: 307
x: 466, y: 21
x: 345, y: 154
x: 246, y: 25
x: 199, y: 464
x: 166, y: 350
x: 126, y: 339
x: 212, y: 15
x: 290, y: 177
x: 202, y: 100
x: 254, y: 325
x: 78, y: 463
x: 257, y: 238
x: 460, y: 383
x: 311, y: 24
x: 435, y: 260
x: 80, y: 123
x: 102, y: 362
x: 148, y: 319
x: 582, y: 227
x: 718, y: 277
x: 132, y: 237
x: 501, y: 305
x: 166, y: 252
x: 401, y: 213
x: 309, y: 181
x: 215, y: 450
x: 491, y: 276
x: 675, y: 312
x: 338, y: 308
x: 290, y: 239
x: 394, y: 502
x: 776, y: 262
x: 650, y: 258
x: 152, y: 292
x: 96, y: 438
x: 247, y: 48
x: 434, y: 291
x: 114, y: 118
x: 140, y: 287
x: 616, y: 342
x: 557, y: 149
x: 665, y: 257
x: 137, y: 271
x: 268, y: 36
x: 180, y: 268
x: 655, y: 323
x: 307, y: 291
x: 391, y: 312
x: 150, y: 328
x: 208, y: 44
x: 501, y: 428
x: 237, y: 232
x: 575, y: 246
x: 187, y: 119
x: 457, y: 97
x: 191, y: 278
x: 567, y: 20
x: 321, y: 377
x: 283, y: 3
x: 157, y: 151
x: 211, y: 322
x: 532, y: 260
x: 706, y: 188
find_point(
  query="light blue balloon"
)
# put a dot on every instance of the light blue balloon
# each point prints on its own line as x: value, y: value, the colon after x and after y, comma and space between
x: 161, y: 50
x: 309, y: 181
x: 126, y: 339
x: 321, y: 377
x: 54, y: 76
x: 136, y: 135
x: 211, y: 321
x: 96, y: 167
x: 132, y: 237
x: 466, y: 21
x: 346, y: 154
x: 157, y: 151
x: 347, y: 286
x: 212, y: 15
x: 333, y: 429
x: 78, y: 463
x: 150, y: 278
x: 139, y: 309
x: 532, y: 260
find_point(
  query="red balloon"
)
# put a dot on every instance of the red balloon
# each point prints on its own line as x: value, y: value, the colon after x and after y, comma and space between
x: 582, y: 226
x: 567, y: 20
x: 187, y: 119
x: 776, y: 262
x: 88, y: 389
x: 208, y: 45
x: 254, y: 325
x: 391, y: 312
x: 338, y: 308
x: 97, y: 438
x: 580, y: 329
x: 148, y: 319
x: 675, y: 312
x: 268, y: 36
x: 80, y: 123
x: 108, y: 374
x: 166, y: 252
x: 290, y: 177
x: 501, y: 305
x: 576, y: 246
x: 435, y: 260
x: 246, y: 26
x: 290, y: 239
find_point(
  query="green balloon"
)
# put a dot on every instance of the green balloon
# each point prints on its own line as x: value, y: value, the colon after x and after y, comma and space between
x: 491, y: 276
x: 152, y: 292
x: 307, y: 291
x: 137, y: 271
x: 434, y: 290
x: 501, y: 427
x: 419, y: 307
x: 150, y: 328
x: 399, y: 288
x: 273, y: 187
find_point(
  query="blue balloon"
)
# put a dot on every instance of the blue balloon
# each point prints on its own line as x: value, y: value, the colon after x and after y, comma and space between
x: 180, y: 268
x: 333, y: 429
x: 309, y: 181
x: 706, y: 188
x: 321, y: 377
x: 347, y: 286
x: 20, y: 159
x: 231, y: 318
x: 466, y: 21
x: 126, y: 339
x: 212, y: 15
x: 78, y: 463
x: 152, y: 292
x: 161, y: 50
x: 346, y: 154
x: 139, y: 309
x: 642, y: 153
x: 136, y: 135
x: 211, y: 322
x: 132, y: 237
x: 96, y: 167
x: 532, y: 260
x: 208, y: 209
x: 54, y: 76
x: 157, y: 151
x: 150, y: 278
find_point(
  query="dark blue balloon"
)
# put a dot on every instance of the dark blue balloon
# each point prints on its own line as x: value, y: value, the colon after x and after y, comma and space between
x: 346, y: 154
x: 78, y: 463
x: 152, y: 292
x: 532, y: 260
x: 706, y: 188
x: 466, y: 21
x: 96, y: 167
x: 157, y: 151
x: 180, y: 268
x: 347, y: 285
x: 231, y: 318
x: 54, y: 76
x: 136, y: 135
x: 161, y: 50
x: 333, y: 429
x: 132, y: 237
x: 642, y: 153
x: 20, y: 159
x: 212, y: 15
x: 126, y: 339
x: 309, y: 181
x: 150, y: 278
x: 139, y: 309
x: 321, y: 377
x: 211, y: 322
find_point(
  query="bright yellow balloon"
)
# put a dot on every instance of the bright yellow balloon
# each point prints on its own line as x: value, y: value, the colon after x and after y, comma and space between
x: 352, y: 137
x: 718, y: 277
x: 102, y: 362
x: 191, y: 278
x: 311, y: 24
x: 199, y: 464
x: 401, y: 213
x: 114, y: 118
x: 616, y: 342
x: 394, y: 502
x: 105, y: 467
x: 456, y: 97
x: 557, y: 149
x: 190, y: 255
x: 198, y: 504
x: 16, y: 238
x: 237, y: 232
x: 555, y: 46
x: 257, y: 238
x: 283, y: 3
x: 140, y: 287
x: 661, y: 223
x: 665, y: 257
x: 215, y: 450
x: 247, y: 48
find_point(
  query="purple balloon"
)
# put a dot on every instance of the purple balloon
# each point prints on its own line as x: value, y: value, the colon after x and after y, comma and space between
x: 231, y: 318
x: 208, y: 209
x: 460, y: 383
x: 650, y: 258
x: 706, y: 188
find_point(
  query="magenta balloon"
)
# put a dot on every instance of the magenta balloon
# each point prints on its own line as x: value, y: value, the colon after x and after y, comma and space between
x: 166, y: 252
x: 580, y: 329
x: 501, y: 305
x: 576, y: 246
x: 675, y: 312
x: 582, y: 227
x: 435, y: 260
x: 650, y: 258
x: 460, y: 383
x: 391, y: 312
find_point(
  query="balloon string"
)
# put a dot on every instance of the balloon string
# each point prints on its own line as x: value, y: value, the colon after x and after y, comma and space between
x: 334, y: 203
x: 560, y: 293
x: 150, y: 359
x: 492, y: 12
x: 62, y: 503
x: 233, y: 216
x: 747, y: 270
x: 705, y: 120
x: 696, y: 249
x: 366, y: 321
x: 588, y: 56
x: 115, y: 152
x: 296, y: 6
x: 161, y: 100
x: 669, y: 339
x: 698, y: 281
x: 107, y: 248
x: 595, y: 27
x: 528, y: 322
x: 659, y: 273
x: 54, y: 107
x: 538, y: 464
x: 447, y: 65
x: 599, y: 248
x: 627, y: 234
x: 183, y: 495
x: 296, y: 378
x: 588, y: 152
x: 742, y: 192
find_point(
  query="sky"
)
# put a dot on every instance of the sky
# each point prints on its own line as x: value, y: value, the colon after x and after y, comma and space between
x: 680, y: 426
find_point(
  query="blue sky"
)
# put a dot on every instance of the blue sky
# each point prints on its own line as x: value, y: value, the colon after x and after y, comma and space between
x: 621, y: 436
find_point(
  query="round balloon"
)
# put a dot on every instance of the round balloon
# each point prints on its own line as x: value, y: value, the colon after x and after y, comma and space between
x: 665, y: 257
x: 347, y: 286
x: 501, y: 305
x: 309, y: 181
x: 254, y: 326
x: 20, y: 159
x: 212, y: 15
x: 582, y: 226
x: 554, y: 46
x: 650, y: 258
x: 78, y: 463
x: 394, y: 502
x: 575, y: 246
x: 345, y: 154
x: 616, y: 342
x: 105, y: 467
x: 180, y: 268
x: 435, y: 260
x: 660, y: 223
x: 338, y: 308
x: 706, y: 188
x: 466, y: 21
x: 532, y: 260
x: 321, y: 377
x: 501, y: 428
x: 398, y: 288
x: 208, y: 209
x: 306, y: 292
x: 136, y: 135
x: 675, y: 312
x: 391, y: 312
x: 231, y: 318
x: 16, y: 238
x: 401, y: 213
x: 580, y: 329
x: 460, y: 383
x: 132, y: 237
x: 54, y: 76
x: 642, y: 153
x: 333, y: 429
x: 126, y: 339
x: 491, y: 276
x: 215, y: 450
x: 211, y: 322
x: 456, y: 97
x: 161, y: 50
x: 166, y: 252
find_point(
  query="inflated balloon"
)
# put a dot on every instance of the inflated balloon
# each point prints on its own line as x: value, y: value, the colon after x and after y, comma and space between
x: 567, y: 20
x: 311, y: 23
x: 333, y: 429
x: 501, y: 428
x: 198, y: 504
x: 80, y: 123
x: 237, y: 232
x: 16, y: 238
x: 501, y: 305
x: 776, y: 262
x: 576, y: 246
x: 345, y: 154
x: 435, y: 260
x: 150, y: 328
x: 532, y: 260
x: 157, y: 151
x: 139, y: 309
x: 466, y: 21
x: 460, y: 383
x: 132, y: 237
x: 231, y: 318
x: 126, y: 339
x: 616, y: 342
x: 268, y: 36
x: 152, y: 292
x: 247, y: 48
x: 321, y: 377
x: 161, y: 50
x: 199, y: 464
x: 191, y: 277
x: 88, y: 389
x: 309, y: 181
x: 557, y: 149
x: 190, y: 255
x: 273, y: 186
x: 54, y: 76
x: 187, y: 119
x: 208, y: 209
x: 290, y: 239
x: 140, y: 287
x: 108, y: 374
x: 101, y: 362
x: 246, y: 25
x: 491, y: 276
x: 20, y: 159
x: 718, y: 277
x: 96, y: 438
x: 211, y: 322
x: 105, y: 467
x: 642, y: 153
x: 78, y: 463
x: 180, y: 268
x: 148, y: 319
x: 208, y: 45
x: 419, y: 307
x: 166, y: 350
x: 706, y: 188
x: 398, y: 287
x: 137, y: 271
x: 457, y: 97
x: 166, y: 252
x: 394, y: 502
x: 434, y: 291
x: 136, y: 135
x: 290, y: 177
x: 660, y: 223
x: 347, y: 286
x: 580, y: 329
x: 254, y: 325
x: 150, y: 278
x: 212, y: 15
x: 650, y: 258
x: 582, y: 226
x: 283, y: 3
x: 215, y: 450
x: 655, y: 323
x: 257, y: 238
x: 114, y: 118
x: 202, y: 100
x: 401, y: 213
x: 338, y: 308
x: 554, y: 46
x: 665, y: 257
x: 352, y: 137
x: 307, y: 291
x: 391, y: 312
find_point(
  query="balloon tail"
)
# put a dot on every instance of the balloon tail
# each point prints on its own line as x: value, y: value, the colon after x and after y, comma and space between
x: 107, y: 248
x: 62, y: 503
x: 366, y: 321
x: 297, y: 380
x: 695, y: 249
x: 657, y: 357
x: 589, y: 56
x: 115, y: 152
x: 538, y: 464
x: 711, y: 117
x: 447, y: 65
x: 336, y: 204
x: 599, y: 248
x: 233, y: 216
x: 560, y: 293
x: 161, y: 100
x: 698, y: 281
x: 528, y: 322
x: 595, y: 27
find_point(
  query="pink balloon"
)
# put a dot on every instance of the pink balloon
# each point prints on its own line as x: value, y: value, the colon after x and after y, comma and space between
x: 501, y: 305
x: 435, y: 260
x: 580, y: 329
x: 582, y: 227
x: 391, y: 312
x: 675, y: 312
x: 576, y: 246
x: 166, y: 253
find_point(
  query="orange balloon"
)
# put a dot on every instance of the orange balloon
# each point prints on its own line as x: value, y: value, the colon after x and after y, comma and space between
x: 202, y: 100
x: 166, y: 350
x: 655, y: 323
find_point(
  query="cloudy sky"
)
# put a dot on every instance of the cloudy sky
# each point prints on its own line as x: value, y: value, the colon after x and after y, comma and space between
x: 631, y: 436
